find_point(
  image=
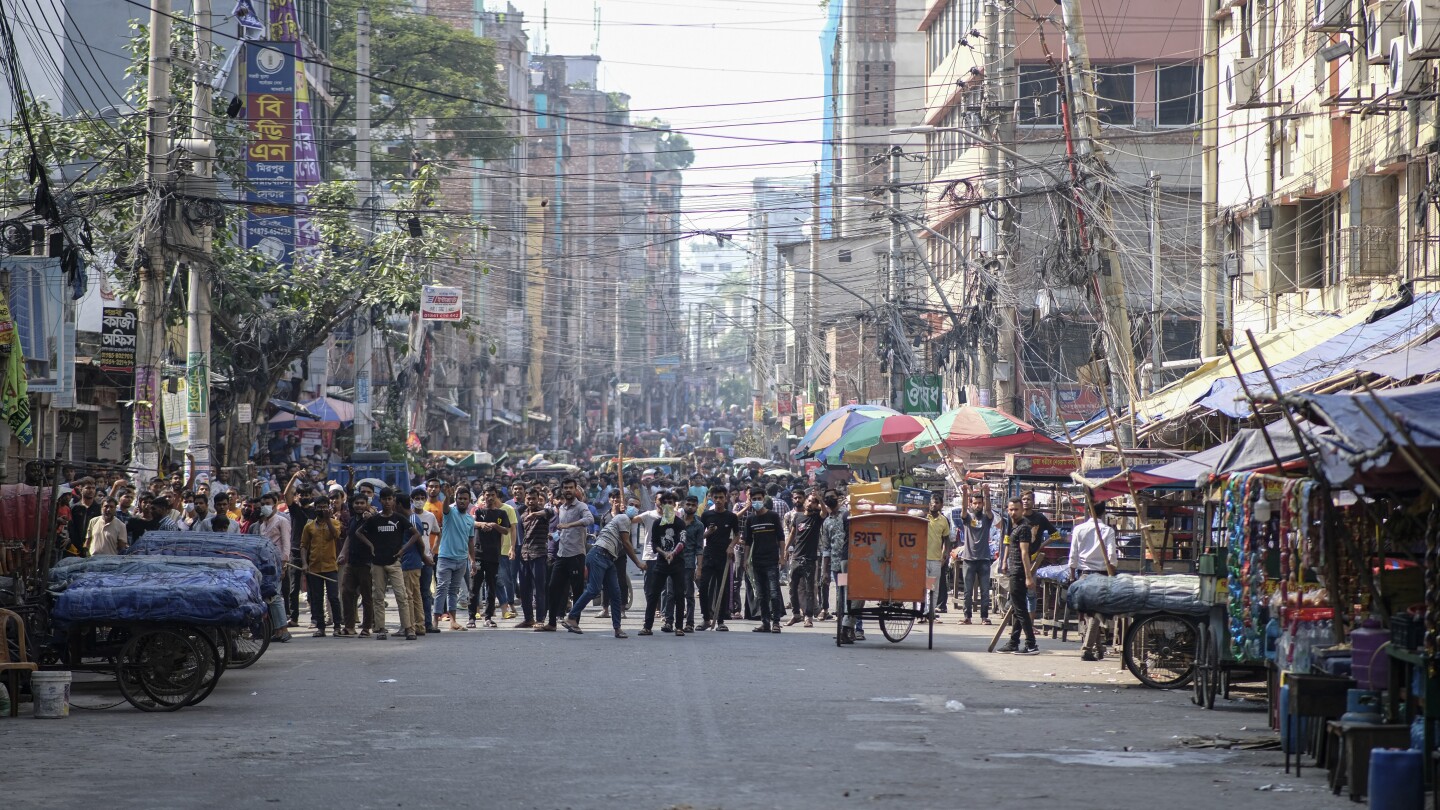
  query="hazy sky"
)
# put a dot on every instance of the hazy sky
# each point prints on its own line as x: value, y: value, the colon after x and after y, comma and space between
x: 671, y: 55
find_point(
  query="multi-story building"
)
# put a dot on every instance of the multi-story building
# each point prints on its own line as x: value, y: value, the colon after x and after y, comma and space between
x: 1010, y: 239
x: 1321, y: 126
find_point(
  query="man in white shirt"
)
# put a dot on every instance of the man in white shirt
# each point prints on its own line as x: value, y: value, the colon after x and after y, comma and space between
x: 1092, y: 553
x: 105, y: 534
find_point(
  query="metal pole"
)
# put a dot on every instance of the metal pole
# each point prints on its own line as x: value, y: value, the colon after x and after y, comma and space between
x: 761, y: 348
x: 197, y: 348
x: 364, y: 337
x: 1157, y: 320
x: 149, y: 340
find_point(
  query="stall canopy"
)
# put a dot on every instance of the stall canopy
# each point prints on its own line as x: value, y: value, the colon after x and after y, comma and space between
x: 1368, y: 428
x: 1387, y: 344
x: 294, y: 409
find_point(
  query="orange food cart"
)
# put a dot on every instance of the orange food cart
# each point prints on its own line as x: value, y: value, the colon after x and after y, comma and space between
x: 886, y: 570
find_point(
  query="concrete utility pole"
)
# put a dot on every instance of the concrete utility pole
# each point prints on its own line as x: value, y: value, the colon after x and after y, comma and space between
x: 897, y: 288
x: 1110, y: 282
x: 364, y: 186
x: 812, y: 296
x: 1209, y: 186
x: 150, y: 334
x: 999, y: 74
x: 1157, y: 319
x: 197, y: 348
x: 760, y: 379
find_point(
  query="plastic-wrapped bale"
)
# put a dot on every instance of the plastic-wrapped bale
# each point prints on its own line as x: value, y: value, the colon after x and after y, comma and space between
x: 199, y: 597
x: 1126, y: 593
x: 1054, y: 573
x: 66, y: 570
x: 258, y: 550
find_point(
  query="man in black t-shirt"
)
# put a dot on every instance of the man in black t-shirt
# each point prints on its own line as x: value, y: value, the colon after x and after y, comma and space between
x: 667, y: 541
x: 1021, y: 571
x: 387, y: 534
x: 804, y: 546
x: 492, y: 524
x: 722, y: 533
x: 763, y: 540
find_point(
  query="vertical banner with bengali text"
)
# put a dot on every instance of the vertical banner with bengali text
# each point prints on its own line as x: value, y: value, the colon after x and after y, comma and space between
x: 270, y: 158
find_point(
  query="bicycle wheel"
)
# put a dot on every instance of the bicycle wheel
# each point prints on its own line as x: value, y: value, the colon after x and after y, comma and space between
x: 1160, y: 651
x: 895, y: 625
x: 1202, y: 669
x: 1212, y: 668
x: 161, y: 670
x: 245, y: 645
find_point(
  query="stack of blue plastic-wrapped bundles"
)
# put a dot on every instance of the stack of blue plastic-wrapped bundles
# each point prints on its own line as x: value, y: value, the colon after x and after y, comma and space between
x: 67, y: 570
x: 167, y: 593
x: 258, y: 550
x: 1125, y: 593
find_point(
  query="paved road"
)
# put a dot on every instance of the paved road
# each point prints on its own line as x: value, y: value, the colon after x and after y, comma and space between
x: 513, y: 719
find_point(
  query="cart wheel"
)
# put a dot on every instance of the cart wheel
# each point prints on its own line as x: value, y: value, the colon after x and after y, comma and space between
x: 894, y: 624
x: 1202, y: 670
x: 161, y: 670
x: 1212, y: 669
x: 1160, y: 651
x: 245, y: 645
x: 213, y: 642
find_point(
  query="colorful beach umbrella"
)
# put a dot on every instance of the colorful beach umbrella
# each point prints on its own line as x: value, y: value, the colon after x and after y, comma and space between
x: 833, y: 425
x: 974, y: 427
x: 855, y: 444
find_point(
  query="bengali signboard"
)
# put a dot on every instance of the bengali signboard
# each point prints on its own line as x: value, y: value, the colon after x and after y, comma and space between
x: 922, y: 395
x: 440, y: 303
x: 117, y: 339
x: 270, y: 158
x: 1046, y: 466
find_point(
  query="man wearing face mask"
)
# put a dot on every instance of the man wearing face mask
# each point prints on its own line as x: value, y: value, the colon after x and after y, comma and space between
x: 275, y: 527
x: 664, y: 550
x: 762, y: 539
x: 567, y: 572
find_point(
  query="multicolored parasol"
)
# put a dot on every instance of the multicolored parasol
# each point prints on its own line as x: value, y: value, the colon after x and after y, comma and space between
x: 974, y: 427
x: 854, y: 445
x: 833, y: 425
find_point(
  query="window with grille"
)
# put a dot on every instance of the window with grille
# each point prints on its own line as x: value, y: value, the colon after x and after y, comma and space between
x: 1115, y: 94
x: 1039, y: 96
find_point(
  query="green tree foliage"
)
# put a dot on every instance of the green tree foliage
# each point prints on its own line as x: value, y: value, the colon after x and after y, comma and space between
x: 265, y: 317
x: 673, y: 150
x: 456, y: 113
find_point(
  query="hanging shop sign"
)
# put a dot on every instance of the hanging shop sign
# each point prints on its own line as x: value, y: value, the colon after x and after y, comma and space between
x: 440, y: 303
x: 117, y: 339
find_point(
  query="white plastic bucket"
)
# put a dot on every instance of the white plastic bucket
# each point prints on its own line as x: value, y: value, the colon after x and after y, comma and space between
x: 51, y: 691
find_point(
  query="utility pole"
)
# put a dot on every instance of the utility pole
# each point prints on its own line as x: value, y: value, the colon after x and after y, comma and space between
x: 1157, y: 320
x: 999, y: 74
x: 364, y: 336
x: 897, y: 288
x: 1209, y: 186
x: 759, y: 377
x: 150, y: 334
x: 812, y: 316
x: 197, y: 348
x: 1110, y: 282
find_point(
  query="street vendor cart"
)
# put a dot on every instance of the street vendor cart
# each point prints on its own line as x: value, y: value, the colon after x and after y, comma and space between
x: 886, y: 571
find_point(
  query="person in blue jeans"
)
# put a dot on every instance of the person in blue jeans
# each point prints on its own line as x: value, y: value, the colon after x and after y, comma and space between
x: 531, y: 552
x: 612, y: 545
x: 763, y: 540
x: 456, y: 555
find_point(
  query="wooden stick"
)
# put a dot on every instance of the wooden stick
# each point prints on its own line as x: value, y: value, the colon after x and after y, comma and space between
x: 999, y: 631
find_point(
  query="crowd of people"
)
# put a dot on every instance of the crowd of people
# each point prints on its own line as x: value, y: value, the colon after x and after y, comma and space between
x: 459, y: 554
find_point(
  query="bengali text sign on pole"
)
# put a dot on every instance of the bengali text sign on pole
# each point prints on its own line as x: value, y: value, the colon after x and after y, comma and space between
x: 440, y: 303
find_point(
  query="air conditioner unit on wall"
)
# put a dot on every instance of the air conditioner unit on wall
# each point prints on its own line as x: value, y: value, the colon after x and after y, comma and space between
x: 1329, y: 15
x: 1242, y: 82
x: 1383, y: 22
x: 1404, y: 73
x: 1422, y: 28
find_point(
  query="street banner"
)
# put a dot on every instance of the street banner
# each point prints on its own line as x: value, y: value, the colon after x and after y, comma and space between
x: 117, y: 339
x: 440, y: 303
x: 757, y: 408
x: 922, y: 395
x: 270, y: 69
x: 785, y: 404
x: 7, y: 323
x: 809, y: 412
x: 15, y: 398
